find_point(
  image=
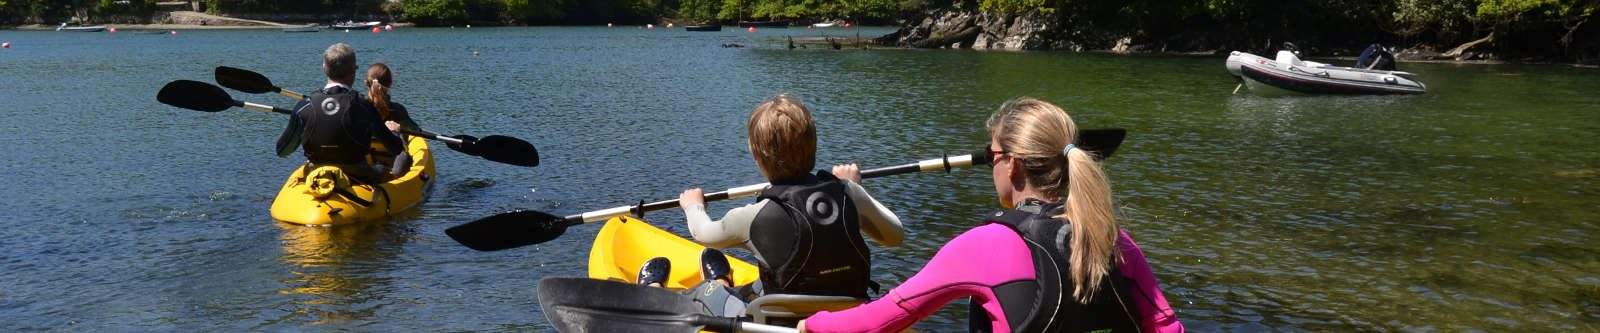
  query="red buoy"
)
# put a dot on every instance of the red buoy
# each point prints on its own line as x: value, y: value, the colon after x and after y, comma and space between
x: 375, y: 30
x: 751, y: 29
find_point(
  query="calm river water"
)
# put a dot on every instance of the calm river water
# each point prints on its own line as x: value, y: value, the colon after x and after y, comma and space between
x: 1473, y: 207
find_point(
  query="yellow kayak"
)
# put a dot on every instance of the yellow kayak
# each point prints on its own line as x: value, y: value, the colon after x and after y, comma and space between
x: 625, y: 243
x: 325, y: 196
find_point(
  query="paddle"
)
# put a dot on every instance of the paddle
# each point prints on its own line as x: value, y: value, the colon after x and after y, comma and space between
x: 589, y: 305
x: 201, y: 96
x: 527, y: 227
x: 497, y: 148
x: 251, y: 82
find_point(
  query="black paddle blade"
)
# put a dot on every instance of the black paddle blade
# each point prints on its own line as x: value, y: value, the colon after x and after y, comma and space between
x: 504, y: 149
x: 195, y: 95
x: 1101, y: 141
x: 244, y: 80
x: 588, y: 305
x: 508, y: 230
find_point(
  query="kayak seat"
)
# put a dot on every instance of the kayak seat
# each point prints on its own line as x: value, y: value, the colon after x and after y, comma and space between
x: 792, y: 306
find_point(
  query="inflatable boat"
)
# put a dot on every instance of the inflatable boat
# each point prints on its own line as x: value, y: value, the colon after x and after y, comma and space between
x: 1288, y: 72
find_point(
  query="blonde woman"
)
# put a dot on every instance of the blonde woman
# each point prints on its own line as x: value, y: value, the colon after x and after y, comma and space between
x: 1052, y: 260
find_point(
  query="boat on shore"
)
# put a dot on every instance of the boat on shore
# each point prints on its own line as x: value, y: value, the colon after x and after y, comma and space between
x: 303, y: 28
x: 1288, y: 72
x: 357, y: 25
x: 92, y: 28
x: 703, y: 27
x: 828, y: 24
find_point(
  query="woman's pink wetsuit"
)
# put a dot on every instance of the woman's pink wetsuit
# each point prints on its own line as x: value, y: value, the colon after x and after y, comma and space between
x: 973, y: 265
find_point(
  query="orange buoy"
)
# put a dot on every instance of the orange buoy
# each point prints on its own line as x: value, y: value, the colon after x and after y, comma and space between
x: 376, y: 30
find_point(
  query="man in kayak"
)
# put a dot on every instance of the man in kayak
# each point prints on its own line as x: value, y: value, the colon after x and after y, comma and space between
x: 1053, y: 260
x: 336, y: 125
x: 806, y: 228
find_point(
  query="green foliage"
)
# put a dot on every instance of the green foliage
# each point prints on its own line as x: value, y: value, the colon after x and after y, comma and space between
x: 435, y: 12
x: 1014, y: 6
x: 535, y: 10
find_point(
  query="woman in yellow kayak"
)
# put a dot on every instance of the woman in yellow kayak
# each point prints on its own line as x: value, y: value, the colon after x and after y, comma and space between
x: 806, y: 229
x: 379, y: 80
x: 1052, y: 260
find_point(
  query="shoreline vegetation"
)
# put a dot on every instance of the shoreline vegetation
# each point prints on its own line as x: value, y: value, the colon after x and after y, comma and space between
x: 1489, y: 31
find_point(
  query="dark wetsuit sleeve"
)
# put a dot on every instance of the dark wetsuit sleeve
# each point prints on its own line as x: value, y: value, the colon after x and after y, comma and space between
x: 293, y: 133
x: 390, y: 141
x: 400, y: 115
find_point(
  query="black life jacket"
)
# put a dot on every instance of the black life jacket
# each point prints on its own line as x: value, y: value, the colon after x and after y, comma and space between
x: 1046, y: 304
x: 808, y: 240
x: 338, y: 128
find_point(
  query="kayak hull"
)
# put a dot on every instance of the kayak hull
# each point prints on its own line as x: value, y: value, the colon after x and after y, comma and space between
x: 296, y: 202
x: 625, y: 243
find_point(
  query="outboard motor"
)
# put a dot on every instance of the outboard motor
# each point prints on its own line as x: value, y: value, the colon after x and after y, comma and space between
x: 1376, y: 57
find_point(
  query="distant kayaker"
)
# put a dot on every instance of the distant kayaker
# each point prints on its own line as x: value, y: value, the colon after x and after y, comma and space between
x: 338, y: 125
x: 806, y: 228
x: 1053, y: 260
x: 395, y: 117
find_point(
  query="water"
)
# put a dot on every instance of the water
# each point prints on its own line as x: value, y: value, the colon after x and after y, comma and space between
x: 1469, y: 208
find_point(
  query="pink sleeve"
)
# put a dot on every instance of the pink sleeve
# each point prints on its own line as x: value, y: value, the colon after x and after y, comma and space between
x: 1158, y: 316
x: 972, y: 264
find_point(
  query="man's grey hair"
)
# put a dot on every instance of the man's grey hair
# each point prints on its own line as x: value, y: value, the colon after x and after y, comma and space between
x: 339, y: 62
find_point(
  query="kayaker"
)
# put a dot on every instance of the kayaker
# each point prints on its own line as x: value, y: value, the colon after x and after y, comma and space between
x: 1053, y: 260
x: 395, y: 117
x: 806, y: 228
x: 336, y: 126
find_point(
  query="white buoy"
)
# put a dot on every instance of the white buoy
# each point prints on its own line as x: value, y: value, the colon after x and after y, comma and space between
x: 609, y: 25
x: 5, y: 45
x: 651, y: 26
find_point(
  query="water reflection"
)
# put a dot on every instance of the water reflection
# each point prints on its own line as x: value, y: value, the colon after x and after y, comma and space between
x: 338, y: 273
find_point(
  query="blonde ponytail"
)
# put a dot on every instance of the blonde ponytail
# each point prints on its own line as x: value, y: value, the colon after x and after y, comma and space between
x: 1094, y: 226
x: 1039, y: 134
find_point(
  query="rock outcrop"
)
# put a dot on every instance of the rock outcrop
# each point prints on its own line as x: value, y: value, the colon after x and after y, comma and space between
x: 957, y: 27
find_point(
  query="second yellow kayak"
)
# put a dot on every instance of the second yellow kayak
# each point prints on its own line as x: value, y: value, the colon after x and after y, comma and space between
x: 625, y: 243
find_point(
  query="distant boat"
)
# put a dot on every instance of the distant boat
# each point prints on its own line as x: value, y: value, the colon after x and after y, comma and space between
x: 764, y: 24
x: 357, y: 25
x: 825, y: 25
x: 303, y: 28
x: 94, y: 28
x: 704, y: 27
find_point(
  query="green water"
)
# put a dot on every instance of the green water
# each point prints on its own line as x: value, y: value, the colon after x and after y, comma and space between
x: 1472, y: 207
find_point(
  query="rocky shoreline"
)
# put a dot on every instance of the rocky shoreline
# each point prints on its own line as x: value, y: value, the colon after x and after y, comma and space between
x: 955, y: 27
